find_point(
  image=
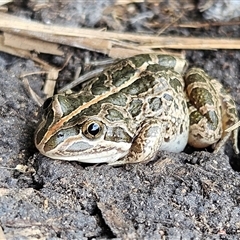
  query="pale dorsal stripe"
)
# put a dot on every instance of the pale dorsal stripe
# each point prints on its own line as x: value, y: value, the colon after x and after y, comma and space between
x: 60, y: 123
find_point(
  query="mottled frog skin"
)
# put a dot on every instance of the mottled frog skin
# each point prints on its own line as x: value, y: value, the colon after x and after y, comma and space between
x: 134, y: 108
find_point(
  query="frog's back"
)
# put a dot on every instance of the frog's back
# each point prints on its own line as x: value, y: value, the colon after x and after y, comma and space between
x: 132, y: 92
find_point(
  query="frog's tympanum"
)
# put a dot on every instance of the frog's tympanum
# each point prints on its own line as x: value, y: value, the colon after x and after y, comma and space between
x: 134, y: 108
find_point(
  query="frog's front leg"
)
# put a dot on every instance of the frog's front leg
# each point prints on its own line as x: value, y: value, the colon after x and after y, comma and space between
x: 211, y: 111
x: 145, y: 145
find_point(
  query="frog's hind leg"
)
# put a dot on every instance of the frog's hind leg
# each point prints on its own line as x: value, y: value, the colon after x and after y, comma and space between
x: 229, y: 117
x: 211, y: 111
x: 204, y: 109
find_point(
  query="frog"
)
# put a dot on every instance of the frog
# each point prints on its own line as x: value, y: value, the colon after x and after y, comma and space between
x: 135, y: 108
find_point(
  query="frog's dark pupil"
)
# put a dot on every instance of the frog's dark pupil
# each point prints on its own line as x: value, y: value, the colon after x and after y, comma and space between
x: 93, y: 129
x: 60, y: 135
x: 47, y: 102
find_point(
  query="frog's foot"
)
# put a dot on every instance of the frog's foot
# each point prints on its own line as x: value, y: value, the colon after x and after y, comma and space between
x: 217, y: 146
x: 233, y: 135
x: 145, y: 145
x: 233, y: 130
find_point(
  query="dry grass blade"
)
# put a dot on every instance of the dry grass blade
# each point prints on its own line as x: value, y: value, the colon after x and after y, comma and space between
x: 81, y: 79
x: 2, y: 2
x: 109, y: 42
x: 33, y: 95
x: 236, y: 125
x: 2, y: 236
x: 29, y: 44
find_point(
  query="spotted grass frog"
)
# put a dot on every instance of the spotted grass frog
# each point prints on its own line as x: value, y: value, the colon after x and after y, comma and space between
x: 134, y: 108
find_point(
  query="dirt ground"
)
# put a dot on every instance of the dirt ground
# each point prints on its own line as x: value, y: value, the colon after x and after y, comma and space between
x: 190, y: 195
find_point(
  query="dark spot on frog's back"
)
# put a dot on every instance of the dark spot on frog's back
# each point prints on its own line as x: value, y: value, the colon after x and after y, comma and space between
x: 114, y: 115
x: 69, y: 103
x: 66, y: 103
x: 120, y: 76
x: 99, y: 87
x: 139, y: 60
x: 156, y: 68
x: 167, y: 61
x: 116, y: 99
x: 176, y: 84
x: 135, y: 107
x: 155, y: 103
x: 92, y: 110
x: 141, y: 85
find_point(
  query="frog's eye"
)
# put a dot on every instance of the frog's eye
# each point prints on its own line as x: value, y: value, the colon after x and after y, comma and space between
x: 92, y: 129
x: 47, y: 103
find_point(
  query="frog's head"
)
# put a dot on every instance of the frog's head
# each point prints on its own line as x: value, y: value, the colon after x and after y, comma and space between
x: 67, y: 131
